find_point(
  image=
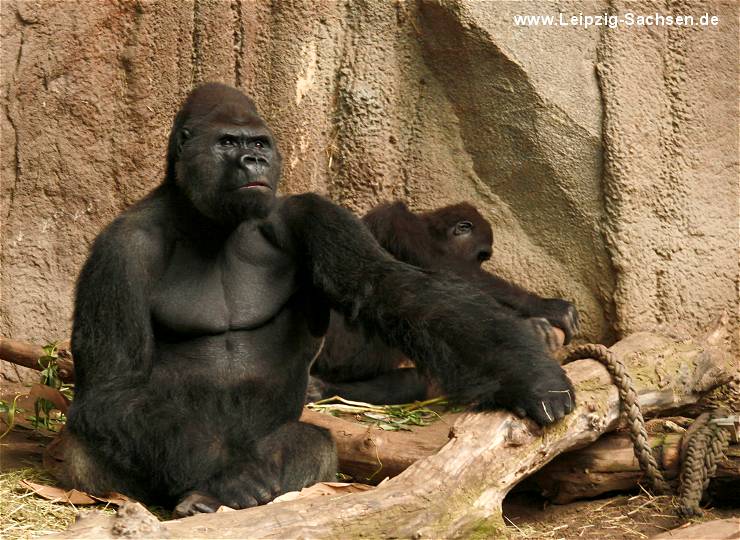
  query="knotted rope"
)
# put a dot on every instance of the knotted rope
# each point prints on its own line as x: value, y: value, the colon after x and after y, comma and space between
x: 630, y: 408
x: 704, y: 449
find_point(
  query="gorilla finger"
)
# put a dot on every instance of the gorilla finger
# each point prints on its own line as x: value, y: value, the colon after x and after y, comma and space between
x: 557, y: 406
x: 204, y: 508
x: 541, y: 414
x: 257, y: 489
x: 569, y: 333
x: 243, y: 501
x: 181, y: 512
x: 264, y: 494
x: 520, y: 412
x: 575, y: 322
x: 570, y: 405
x: 196, y: 502
x: 275, y: 488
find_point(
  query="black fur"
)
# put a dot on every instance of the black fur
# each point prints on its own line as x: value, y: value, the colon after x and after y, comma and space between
x: 454, y: 239
x: 199, y: 310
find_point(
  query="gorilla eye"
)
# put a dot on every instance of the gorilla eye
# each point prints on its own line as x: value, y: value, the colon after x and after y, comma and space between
x: 463, y: 227
x: 228, y: 140
x: 260, y: 143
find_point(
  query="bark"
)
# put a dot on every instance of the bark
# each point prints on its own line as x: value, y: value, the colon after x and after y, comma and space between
x: 609, y: 464
x: 458, y: 491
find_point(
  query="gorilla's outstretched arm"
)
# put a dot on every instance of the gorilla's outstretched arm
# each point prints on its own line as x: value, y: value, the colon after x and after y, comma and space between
x: 479, y: 352
x: 558, y: 312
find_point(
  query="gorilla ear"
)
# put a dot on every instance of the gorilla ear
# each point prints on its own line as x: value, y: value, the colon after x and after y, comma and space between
x: 182, y: 137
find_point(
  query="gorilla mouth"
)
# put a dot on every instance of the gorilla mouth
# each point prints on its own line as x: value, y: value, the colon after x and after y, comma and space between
x: 257, y: 184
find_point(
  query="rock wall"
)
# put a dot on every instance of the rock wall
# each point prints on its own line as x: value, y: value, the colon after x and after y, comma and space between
x: 606, y: 159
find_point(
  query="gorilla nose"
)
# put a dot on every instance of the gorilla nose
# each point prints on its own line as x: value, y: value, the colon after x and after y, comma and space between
x: 249, y: 161
x: 484, y: 255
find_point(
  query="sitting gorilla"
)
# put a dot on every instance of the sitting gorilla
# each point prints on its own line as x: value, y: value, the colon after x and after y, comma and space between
x: 200, y: 309
x: 455, y: 239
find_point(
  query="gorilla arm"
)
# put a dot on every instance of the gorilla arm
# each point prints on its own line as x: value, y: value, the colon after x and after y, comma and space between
x: 559, y: 313
x: 479, y: 352
x: 112, y: 335
x: 112, y: 340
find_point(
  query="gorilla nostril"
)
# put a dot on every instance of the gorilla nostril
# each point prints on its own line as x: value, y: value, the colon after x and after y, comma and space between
x: 248, y: 160
x: 484, y: 255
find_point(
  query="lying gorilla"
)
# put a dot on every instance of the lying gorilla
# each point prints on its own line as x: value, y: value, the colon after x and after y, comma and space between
x: 201, y: 308
x: 456, y: 239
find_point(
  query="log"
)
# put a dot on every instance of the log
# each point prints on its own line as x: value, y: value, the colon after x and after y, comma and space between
x: 27, y: 355
x: 370, y: 454
x: 609, y: 464
x: 458, y: 491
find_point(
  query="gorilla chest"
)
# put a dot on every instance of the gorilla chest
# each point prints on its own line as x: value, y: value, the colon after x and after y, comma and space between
x: 240, y: 284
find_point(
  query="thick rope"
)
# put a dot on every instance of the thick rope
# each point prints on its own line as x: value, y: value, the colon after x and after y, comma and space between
x: 630, y: 408
x: 704, y: 449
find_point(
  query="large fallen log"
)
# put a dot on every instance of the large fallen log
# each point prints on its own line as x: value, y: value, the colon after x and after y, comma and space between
x: 609, y: 464
x: 459, y: 490
x: 370, y: 454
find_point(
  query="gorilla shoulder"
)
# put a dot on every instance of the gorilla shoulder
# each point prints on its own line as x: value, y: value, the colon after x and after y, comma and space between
x: 139, y: 234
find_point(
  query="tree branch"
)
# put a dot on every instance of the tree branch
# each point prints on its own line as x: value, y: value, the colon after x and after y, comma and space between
x: 27, y: 355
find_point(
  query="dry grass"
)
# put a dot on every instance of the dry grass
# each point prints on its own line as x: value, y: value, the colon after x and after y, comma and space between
x: 621, y: 517
x: 24, y: 514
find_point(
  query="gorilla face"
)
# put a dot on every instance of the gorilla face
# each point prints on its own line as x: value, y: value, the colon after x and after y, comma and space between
x: 462, y: 233
x: 225, y: 157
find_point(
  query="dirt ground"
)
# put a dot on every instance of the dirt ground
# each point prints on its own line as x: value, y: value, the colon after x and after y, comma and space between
x: 528, y: 515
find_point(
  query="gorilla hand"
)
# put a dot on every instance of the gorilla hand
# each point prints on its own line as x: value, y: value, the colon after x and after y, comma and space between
x: 543, y: 392
x: 545, y: 397
x: 316, y: 390
x: 561, y: 314
x: 553, y: 336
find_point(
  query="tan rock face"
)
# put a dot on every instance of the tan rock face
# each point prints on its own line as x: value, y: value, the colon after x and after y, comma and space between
x: 605, y: 159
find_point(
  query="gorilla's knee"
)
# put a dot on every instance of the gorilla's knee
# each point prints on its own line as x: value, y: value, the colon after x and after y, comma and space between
x: 72, y: 464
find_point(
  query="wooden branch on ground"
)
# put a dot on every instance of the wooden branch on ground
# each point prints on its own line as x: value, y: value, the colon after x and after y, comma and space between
x: 458, y: 491
x: 609, y: 464
x: 27, y: 355
x: 370, y: 454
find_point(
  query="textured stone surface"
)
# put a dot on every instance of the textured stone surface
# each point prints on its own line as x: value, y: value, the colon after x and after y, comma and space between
x: 671, y: 175
x: 619, y: 192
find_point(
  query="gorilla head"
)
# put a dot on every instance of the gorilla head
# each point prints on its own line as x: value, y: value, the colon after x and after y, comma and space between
x: 222, y: 155
x: 461, y: 233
